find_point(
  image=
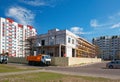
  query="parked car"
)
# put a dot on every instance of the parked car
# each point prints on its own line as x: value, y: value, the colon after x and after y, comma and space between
x: 113, y: 64
x: 3, y: 58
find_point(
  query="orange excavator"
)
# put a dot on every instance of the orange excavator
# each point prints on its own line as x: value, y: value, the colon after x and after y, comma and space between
x: 40, y: 59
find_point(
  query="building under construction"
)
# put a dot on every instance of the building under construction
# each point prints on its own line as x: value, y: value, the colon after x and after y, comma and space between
x: 63, y: 43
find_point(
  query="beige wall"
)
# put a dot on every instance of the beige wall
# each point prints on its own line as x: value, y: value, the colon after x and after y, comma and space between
x: 65, y: 61
x: 75, y: 61
x: 59, y: 61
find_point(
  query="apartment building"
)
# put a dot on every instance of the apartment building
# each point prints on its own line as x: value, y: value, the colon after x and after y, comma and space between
x: 109, y: 46
x: 13, y: 36
x: 63, y: 43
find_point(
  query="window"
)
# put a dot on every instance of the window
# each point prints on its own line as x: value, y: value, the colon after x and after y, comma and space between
x: 43, y: 42
x: 72, y: 41
x: 112, y: 62
x: 51, y: 43
x: 42, y: 57
x: 69, y: 40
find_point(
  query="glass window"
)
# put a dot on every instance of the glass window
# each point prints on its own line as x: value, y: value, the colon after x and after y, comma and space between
x: 72, y: 41
x: 69, y: 40
x: 42, y: 57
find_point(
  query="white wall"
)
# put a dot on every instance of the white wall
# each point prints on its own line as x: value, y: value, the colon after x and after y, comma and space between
x: 70, y: 46
x: 0, y: 35
x: 60, y: 37
x: 69, y: 52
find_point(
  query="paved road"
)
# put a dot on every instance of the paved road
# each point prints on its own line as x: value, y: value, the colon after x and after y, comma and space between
x: 95, y: 70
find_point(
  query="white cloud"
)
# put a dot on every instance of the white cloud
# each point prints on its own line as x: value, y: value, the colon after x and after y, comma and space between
x: 109, y: 25
x: 22, y: 15
x: 116, y: 25
x: 38, y: 2
x: 112, y: 21
x: 78, y: 30
x: 94, y: 23
x: 114, y: 16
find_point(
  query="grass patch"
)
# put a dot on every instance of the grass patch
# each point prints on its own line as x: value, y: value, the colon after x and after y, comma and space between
x: 51, y: 77
x: 7, y: 68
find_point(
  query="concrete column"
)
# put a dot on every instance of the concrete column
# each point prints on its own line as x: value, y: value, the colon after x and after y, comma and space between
x: 75, y: 52
x: 60, y: 50
x: 66, y: 50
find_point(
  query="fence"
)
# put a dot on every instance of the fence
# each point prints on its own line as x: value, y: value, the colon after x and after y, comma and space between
x: 21, y: 60
x: 59, y: 61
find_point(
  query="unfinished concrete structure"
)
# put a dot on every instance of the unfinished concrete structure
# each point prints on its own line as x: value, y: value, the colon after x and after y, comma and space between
x: 63, y: 43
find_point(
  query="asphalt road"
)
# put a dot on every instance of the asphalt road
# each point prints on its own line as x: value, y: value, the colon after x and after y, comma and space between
x: 95, y: 70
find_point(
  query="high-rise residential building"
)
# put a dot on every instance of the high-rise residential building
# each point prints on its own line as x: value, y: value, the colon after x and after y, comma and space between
x: 13, y: 36
x: 63, y: 43
x: 109, y: 46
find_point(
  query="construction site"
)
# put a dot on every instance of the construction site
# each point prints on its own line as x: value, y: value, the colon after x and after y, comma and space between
x: 62, y: 45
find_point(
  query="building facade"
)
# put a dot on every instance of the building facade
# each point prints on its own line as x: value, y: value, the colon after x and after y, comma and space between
x: 63, y: 43
x: 109, y: 46
x: 13, y: 36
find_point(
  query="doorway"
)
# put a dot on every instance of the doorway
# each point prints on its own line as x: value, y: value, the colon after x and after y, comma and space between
x: 73, y: 52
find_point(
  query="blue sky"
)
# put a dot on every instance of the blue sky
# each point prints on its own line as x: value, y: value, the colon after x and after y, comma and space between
x: 87, y: 18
